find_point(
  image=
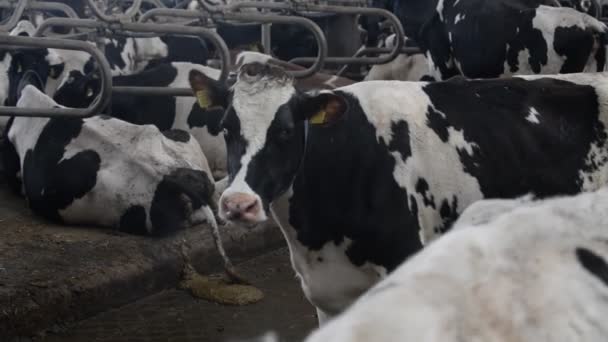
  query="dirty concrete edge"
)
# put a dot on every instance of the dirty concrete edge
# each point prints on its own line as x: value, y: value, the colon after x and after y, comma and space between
x: 70, y: 303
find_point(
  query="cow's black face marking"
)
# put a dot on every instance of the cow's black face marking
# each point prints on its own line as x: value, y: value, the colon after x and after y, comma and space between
x: 51, y: 184
x: 593, y: 263
x: 272, y: 170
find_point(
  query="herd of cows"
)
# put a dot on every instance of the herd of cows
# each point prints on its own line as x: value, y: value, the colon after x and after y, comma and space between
x: 496, y: 135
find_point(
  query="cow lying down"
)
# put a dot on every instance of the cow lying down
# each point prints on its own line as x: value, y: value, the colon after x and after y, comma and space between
x: 511, y: 270
x: 165, y: 112
x: 105, y: 172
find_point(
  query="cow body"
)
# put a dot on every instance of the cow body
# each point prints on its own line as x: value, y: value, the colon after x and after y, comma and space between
x: 397, y: 162
x: 488, y: 38
x: 106, y: 172
x: 528, y: 271
x: 165, y: 112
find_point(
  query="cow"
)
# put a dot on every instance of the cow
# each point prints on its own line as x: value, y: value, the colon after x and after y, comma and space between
x: 497, y: 38
x: 527, y: 271
x: 406, y: 67
x: 106, y: 172
x: 361, y: 177
x: 165, y: 112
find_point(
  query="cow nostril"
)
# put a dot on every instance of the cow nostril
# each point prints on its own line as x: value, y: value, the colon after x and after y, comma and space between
x: 251, y: 206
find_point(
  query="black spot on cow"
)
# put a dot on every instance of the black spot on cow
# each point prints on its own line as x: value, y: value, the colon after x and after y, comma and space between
x: 177, y: 135
x: 519, y: 158
x: 400, y: 141
x: 210, y: 118
x: 449, y: 213
x: 593, y: 263
x: 523, y: 36
x: 437, y: 122
x: 320, y: 259
x: 51, y: 184
x: 576, y: 59
x: 133, y: 221
x: 422, y: 187
x: 113, y: 52
x: 176, y: 197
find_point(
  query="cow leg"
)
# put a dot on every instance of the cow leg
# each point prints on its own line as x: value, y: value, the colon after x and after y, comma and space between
x: 322, y: 317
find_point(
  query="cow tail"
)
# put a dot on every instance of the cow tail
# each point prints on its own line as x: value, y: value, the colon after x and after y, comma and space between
x: 229, y: 268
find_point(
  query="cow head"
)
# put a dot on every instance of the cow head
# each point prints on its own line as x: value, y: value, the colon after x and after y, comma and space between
x: 78, y: 90
x: 265, y: 130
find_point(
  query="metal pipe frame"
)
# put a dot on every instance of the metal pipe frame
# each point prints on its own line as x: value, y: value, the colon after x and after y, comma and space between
x: 127, y: 16
x: 101, y: 101
x: 317, y: 63
x: 149, y: 28
x: 15, y: 16
x: 397, y: 27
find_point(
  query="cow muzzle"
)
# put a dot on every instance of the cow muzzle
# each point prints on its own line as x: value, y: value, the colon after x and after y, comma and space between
x: 242, y: 207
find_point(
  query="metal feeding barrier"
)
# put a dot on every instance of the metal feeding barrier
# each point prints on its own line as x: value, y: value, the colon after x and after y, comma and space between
x: 105, y: 25
x: 317, y: 62
x: 329, y: 7
x: 100, y: 102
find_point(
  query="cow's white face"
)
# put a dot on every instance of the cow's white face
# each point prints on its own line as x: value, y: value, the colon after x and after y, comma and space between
x: 264, y: 128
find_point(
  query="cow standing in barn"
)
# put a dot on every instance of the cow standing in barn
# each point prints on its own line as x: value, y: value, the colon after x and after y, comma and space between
x: 512, y: 270
x: 495, y: 38
x: 362, y: 177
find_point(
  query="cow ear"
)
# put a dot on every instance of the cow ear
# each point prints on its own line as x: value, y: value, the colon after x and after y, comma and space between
x: 209, y: 92
x: 322, y: 109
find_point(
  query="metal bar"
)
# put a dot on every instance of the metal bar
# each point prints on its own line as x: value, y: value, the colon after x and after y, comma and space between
x: 15, y: 16
x: 128, y: 15
x: 149, y: 28
x: 260, y: 18
x: 103, y: 98
x: 397, y: 27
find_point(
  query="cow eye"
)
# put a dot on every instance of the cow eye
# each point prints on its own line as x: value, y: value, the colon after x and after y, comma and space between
x: 89, y: 91
x: 226, y: 132
x: 70, y: 79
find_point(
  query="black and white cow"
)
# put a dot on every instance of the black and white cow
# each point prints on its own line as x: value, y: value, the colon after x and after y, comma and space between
x: 527, y: 271
x: 106, y: 172
x: 492, y: 38
x: 362, y: 177
x: 165, y: 112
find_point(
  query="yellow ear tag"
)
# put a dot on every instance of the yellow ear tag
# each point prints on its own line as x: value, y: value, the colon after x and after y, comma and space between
x: 203, y: 99
x: 318, y: 118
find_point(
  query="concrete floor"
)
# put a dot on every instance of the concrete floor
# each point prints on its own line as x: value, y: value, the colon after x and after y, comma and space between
x: 175, y: 315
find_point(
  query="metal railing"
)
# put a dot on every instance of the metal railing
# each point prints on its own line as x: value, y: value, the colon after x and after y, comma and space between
x: 317, y: 62
x: 101, y: 101
x: 128, y: 28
